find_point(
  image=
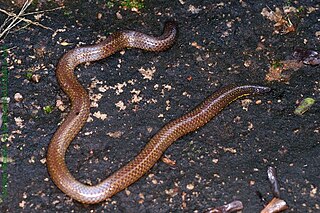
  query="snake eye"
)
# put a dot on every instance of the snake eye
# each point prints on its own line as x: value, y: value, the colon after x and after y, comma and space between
x: 78, y: 113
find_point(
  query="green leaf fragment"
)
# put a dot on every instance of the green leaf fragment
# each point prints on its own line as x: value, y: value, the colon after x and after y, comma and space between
x: 48, y: 109
x: 304, y: 106
x: 138, y: 4
x: 29, y: 75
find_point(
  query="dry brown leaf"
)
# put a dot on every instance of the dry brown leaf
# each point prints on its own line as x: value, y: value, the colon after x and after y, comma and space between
x: 168, y: 161
x: 282, y: 70
x: 283, y: 24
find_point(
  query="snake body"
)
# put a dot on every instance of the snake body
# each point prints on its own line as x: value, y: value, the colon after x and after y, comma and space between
x: 80, y: 109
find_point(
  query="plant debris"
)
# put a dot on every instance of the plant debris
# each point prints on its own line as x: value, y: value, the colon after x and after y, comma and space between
x: 168, y: 161
x: 283, y: 24
x: 1, y: 115
x: 282, y: 70
x: 272, y: 176
x: 275, y: 205
x: 48, y: 109
x: 230, y: 207
x: 13, y: 20
x: 304, y: 106
x: 308, y: 57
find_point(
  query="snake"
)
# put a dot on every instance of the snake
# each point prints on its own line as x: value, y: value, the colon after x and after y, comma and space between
x: 80, y: 110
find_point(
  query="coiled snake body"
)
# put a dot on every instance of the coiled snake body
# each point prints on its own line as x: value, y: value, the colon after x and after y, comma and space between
x: 80, y: 106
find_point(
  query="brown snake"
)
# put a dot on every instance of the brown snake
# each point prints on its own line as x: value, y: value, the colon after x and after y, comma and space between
x: 80, y: 109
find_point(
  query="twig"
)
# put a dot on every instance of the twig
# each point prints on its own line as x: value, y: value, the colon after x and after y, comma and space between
x: 43, y: 11
x: 15, y: 19
x: 276, y: 205
x: 25, y: 20
x: 272, y: 176
x: 228, y: 208
x: 6, y: 49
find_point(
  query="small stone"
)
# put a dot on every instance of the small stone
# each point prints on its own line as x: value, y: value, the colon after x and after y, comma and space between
x: 190, y: 186
x: 247, y: 63
x: 60, y: 105
x: 118, y: 15
x: 99, y: 16
x: 18, y: 97
x: 35, y: 78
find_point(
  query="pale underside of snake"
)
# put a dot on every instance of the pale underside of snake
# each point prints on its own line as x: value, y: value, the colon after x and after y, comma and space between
x: 80, y: 109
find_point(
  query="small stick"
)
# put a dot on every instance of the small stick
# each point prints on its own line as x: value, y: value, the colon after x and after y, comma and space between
x: 274, y: 182
x: 42, y: 11
x: 14, y: 19
x: 276, y: 205
x: 228, y: 208
x: 23, y: 19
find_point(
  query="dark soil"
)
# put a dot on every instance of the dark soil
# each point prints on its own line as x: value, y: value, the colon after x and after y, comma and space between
x: 225, y: 160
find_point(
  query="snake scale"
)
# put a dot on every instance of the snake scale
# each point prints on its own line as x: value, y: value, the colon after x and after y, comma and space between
x: 80, y: 109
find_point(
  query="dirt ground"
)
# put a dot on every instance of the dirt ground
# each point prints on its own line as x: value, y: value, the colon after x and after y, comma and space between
x: 136, y: 92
